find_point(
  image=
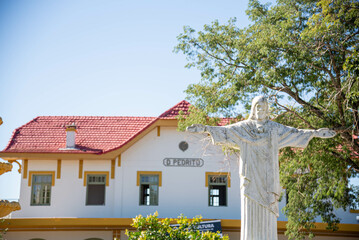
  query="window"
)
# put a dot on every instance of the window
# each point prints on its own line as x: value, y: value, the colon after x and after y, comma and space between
x: 149, y: 189
x: 41, y: 189
x: 96, y: 185
x: 217, y: 188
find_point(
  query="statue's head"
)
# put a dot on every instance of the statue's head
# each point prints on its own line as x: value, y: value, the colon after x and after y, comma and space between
x: 259, y: 109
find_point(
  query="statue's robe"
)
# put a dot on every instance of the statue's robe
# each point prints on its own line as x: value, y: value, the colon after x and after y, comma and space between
x: 259, y: 170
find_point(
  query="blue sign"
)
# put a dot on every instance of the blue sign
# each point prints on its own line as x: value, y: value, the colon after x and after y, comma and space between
x: 211, y: 226
x: 208, y: 226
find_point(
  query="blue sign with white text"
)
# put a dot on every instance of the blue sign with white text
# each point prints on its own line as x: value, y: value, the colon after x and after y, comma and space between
x: 211, y: 226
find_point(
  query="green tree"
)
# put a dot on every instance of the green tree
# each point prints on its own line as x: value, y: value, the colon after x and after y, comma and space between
x: 2, y: 231
x: 152, y: 228
x: 302, y: 54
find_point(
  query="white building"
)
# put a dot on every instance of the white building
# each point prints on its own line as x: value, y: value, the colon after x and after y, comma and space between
x: 87, y: 177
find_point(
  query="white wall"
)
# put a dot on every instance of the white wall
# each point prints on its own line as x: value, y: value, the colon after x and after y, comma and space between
x: 68, y: 196
x: 183, y: 188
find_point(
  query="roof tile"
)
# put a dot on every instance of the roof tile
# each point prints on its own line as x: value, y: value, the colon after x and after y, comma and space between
x: 173, y: 112
x: 95, y: 134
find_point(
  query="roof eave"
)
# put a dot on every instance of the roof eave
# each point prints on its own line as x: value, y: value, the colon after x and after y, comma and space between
x: 107, y: 155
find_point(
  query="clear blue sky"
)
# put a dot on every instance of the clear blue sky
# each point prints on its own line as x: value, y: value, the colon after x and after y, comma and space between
x: 92, y: 57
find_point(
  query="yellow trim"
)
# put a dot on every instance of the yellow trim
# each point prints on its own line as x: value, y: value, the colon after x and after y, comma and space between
x: 158, y: 131
x: 15, y: 161
x: 52, y: 173
x: 97, y: 172
x: 167, y: 122
x: 119, y: 161
x: 5, y: 167
x: 228, y: 174
x: 70, y: 129
x: 25, y: 168
x: 58, y: 169
x: 53, y: 224
x: 81, y: 167
x: 89, y: 156
x: 116, y: 234
x: 113, y: 164
x: 354, y: 210
x: 55, y: 156
x: 159, y: 173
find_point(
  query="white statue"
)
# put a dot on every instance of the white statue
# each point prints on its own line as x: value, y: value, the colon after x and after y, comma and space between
x: 259, y: 141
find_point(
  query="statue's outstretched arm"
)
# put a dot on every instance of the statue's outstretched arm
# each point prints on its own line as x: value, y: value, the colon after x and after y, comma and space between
x: 196, y: 128
x: 228, y: 135
x: 324, y: 133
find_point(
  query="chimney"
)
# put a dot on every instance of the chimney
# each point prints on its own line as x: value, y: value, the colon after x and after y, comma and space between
x: 70, y: 135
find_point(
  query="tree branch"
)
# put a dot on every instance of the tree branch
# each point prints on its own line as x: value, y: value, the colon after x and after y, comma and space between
x: 349, y: 37
x: 296, y: 97
x: 295, y: 113
x: 215, y: 57
x: 322, y: 69
x: 339, y: 96
x: 347, y: 160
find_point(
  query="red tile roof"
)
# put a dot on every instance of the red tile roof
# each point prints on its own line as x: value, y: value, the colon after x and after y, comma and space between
x: 183, y: 106
x: 226, y: 121
x: 94, y: 134
x: 173, y: 112
x: 46, y: 134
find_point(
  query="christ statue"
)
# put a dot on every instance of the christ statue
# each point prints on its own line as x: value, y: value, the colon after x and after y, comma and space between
x: 259, y: 141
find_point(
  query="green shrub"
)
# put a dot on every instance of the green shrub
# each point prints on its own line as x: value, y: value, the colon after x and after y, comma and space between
x: 153, y: 228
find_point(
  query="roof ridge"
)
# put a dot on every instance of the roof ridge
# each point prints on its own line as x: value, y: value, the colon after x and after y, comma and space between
x: 166, y: 113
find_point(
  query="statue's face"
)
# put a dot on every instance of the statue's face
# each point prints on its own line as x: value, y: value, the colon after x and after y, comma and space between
x: 261, y: 111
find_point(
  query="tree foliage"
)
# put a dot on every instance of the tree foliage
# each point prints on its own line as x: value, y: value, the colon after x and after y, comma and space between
x: 303, y: 54
x: 2, y: 230
x: 152, y: 228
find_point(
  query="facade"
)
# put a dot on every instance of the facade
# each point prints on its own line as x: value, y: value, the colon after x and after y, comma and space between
x: 87, y: 177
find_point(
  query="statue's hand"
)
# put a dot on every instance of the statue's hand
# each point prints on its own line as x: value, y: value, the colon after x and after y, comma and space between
x: 196, y: 128
x: 325, y: 133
